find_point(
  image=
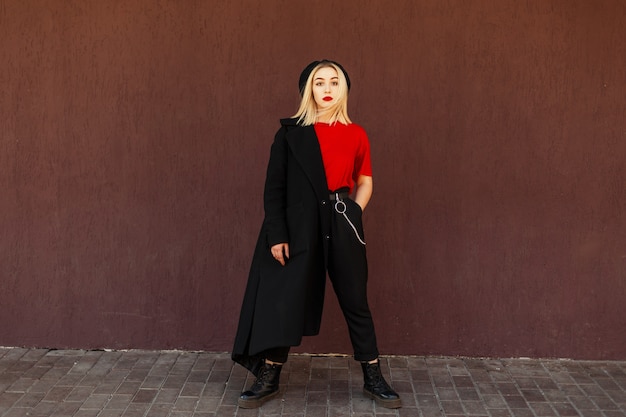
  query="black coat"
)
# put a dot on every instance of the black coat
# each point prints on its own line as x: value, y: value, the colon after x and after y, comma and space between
x: 283, y: 303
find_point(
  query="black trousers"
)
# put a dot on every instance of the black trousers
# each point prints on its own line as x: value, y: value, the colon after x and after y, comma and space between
x: 347, y: 270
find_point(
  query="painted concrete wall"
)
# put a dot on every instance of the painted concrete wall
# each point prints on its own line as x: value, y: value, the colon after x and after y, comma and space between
x: 134, y: 137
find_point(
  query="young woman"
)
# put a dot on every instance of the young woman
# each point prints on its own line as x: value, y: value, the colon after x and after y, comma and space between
x: 319, y: 158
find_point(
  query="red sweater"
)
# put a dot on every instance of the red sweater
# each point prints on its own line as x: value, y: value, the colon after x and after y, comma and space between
x: 345, y: 152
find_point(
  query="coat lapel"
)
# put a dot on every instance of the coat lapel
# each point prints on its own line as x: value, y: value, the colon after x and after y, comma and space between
x: 306, y: 149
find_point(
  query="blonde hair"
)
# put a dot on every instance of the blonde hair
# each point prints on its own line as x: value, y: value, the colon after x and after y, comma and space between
x: 307, y: 113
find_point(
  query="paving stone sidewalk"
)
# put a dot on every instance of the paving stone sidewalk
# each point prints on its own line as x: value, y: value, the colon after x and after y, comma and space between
x: 39, y: 382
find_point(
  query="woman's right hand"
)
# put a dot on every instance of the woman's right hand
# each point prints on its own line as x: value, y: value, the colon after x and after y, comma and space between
x: 280, y: 252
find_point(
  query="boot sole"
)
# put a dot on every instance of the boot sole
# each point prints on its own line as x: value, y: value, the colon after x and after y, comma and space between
x: 397, y: 403
x: 256, y: 403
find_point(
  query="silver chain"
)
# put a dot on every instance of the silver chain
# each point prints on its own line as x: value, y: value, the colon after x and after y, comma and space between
x: 343, y: 211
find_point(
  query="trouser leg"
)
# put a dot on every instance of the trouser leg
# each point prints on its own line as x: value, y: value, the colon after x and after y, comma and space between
x: 347, y: 269
x: 277, y: 354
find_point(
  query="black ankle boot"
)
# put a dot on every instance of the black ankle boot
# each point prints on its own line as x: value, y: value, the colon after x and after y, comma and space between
x: 376, y: 388
x: 265, y: 386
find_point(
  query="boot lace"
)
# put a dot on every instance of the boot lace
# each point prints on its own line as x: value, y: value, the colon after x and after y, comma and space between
x: 264, y: 377
x: 377, y: 380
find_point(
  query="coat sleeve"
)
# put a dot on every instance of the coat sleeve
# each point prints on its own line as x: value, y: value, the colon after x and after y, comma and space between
x: 275, y: 194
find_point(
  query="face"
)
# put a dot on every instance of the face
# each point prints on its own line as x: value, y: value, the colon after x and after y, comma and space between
x: 325, y: 87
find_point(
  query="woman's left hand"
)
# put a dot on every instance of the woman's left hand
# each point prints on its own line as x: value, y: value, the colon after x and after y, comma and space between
x: 364, y: 189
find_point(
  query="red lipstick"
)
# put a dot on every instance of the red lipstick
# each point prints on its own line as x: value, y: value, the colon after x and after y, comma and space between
x: 327, y: 98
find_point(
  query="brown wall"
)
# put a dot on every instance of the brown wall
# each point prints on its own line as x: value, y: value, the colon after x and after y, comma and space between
x: 135, y: 134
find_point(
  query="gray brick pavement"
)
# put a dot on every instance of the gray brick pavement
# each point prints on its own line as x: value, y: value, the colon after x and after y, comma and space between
x: 38, y: 382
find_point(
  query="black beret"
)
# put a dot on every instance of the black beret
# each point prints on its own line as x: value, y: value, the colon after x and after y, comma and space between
x: 307, y: 71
